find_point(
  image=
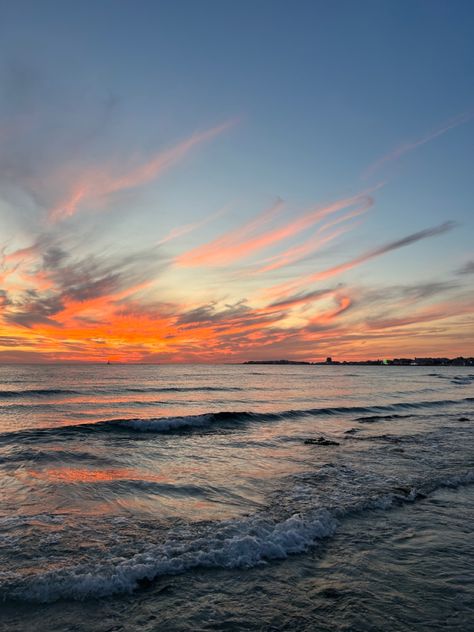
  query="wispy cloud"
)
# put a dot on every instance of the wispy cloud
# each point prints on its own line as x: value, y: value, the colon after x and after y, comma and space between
x: 467, y: 268
x: 96, y: 183
x: 366, y: 256
x: 259, y: 234
x: 412, y: 145
x: 185, y: 229
x: 440, y: 311
x: 239, y: 241
x: 301, y: 298
x: 319, y: 239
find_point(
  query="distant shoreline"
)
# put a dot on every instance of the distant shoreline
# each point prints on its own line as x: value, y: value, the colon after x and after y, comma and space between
x: 460, y: 361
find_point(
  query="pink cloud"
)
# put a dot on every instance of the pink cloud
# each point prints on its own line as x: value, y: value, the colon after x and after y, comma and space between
x: 96, y: 183
x: 255, y: 235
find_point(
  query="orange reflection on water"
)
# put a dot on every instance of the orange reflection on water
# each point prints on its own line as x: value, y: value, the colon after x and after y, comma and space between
x: 68, y: 475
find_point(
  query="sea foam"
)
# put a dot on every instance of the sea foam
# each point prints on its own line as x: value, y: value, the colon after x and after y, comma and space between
x: 235, y: 543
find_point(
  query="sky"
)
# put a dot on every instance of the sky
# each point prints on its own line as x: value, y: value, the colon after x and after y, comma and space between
x: 219, y: 181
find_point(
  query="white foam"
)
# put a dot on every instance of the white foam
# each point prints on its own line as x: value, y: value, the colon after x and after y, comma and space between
x: 241, y: 543
x: 235, y: 544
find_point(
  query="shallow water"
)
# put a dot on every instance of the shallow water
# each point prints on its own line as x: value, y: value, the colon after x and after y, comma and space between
x: 185, y: 497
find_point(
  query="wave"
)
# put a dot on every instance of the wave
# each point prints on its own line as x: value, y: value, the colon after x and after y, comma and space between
x: 48, y: 456
x: 236, y: 544
x: 239, y: 543
x: 162, y: 425
x: 181, y: 389
x: 461, y: 380
x: 44, y: 392
x: 39, y: 392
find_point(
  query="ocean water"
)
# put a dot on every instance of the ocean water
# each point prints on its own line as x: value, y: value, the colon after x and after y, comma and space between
x: 198, y: 498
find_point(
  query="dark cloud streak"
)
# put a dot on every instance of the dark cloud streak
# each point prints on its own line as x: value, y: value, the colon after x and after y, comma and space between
x: 467, y: 268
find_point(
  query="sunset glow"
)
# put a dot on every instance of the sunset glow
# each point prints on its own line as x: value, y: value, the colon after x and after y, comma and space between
x: 151, y: 235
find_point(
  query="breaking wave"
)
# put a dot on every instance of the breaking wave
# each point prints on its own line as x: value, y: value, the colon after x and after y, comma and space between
x: 197, y: 422
x: 238, y: 543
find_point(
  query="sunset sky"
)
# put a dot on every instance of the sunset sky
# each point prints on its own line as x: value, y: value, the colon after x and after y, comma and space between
x: 219, y: 181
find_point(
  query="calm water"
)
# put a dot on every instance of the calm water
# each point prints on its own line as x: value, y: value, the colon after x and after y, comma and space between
x: 185, y: 498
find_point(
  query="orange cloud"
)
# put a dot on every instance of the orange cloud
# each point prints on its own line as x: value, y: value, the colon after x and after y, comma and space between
x: 254, y: 236
x: 56, y: 306
x: 344, y: 303
x: 240, y: 240
x: 103, y: 328
x: 297, y: 253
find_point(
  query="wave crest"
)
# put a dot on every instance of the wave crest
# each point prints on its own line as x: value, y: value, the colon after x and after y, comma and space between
x: 241, y: 543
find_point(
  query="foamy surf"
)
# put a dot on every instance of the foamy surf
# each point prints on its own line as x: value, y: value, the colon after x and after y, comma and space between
x: 229, y: 544
x: 237, y: 544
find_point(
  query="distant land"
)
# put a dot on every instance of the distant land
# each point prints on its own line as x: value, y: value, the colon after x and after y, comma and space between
x: 460, y: 361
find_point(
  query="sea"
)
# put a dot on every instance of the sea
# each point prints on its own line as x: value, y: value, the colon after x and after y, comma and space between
x: 236, y: 497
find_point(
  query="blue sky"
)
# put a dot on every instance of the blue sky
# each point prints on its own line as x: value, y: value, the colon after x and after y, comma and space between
x: 312, y: 102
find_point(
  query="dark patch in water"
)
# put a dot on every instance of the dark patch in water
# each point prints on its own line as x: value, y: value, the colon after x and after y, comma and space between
x: 320, y: 441
x: 374, y: 418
